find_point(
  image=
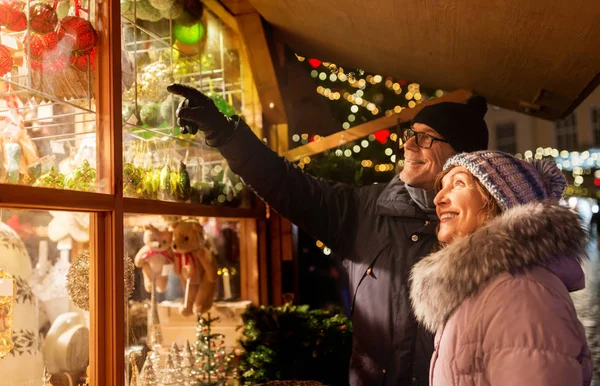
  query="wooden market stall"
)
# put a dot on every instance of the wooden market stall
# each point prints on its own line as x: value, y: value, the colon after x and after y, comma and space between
x: 92, y: 158
x: 94, y: 171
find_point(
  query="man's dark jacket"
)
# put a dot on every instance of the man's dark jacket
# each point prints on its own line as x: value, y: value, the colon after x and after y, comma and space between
x: 379, y: 231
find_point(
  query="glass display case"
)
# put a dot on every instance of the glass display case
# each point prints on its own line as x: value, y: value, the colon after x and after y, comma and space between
x: 165, y: 42
x: 93, y: 166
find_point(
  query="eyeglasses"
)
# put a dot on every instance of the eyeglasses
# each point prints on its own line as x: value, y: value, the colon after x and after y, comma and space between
x: 423, y: 140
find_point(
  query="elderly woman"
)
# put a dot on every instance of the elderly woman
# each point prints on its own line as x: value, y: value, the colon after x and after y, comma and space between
x: 497, y: 291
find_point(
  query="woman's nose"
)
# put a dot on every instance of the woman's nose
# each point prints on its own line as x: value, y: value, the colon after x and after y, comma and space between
x: 440, y: 198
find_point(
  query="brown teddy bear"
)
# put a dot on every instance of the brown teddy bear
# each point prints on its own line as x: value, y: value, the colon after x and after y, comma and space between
x: 195, y: 266
x: 153, y: 256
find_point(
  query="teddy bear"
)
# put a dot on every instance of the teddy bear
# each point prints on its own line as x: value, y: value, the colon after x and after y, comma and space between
x: 154, y: 255
x: 195, y: 266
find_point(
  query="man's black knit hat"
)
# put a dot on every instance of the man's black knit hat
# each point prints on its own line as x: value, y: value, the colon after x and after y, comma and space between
x: 461, y: 124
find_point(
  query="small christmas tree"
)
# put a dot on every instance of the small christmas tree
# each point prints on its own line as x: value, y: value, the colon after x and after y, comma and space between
x: 213, y: 363
x: 171, y: 374
x: 148, y: 376
x: 187, y: 364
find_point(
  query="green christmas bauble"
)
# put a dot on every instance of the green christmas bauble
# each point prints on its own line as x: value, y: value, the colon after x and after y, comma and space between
x: 189, y: 34
x: 222, y: 105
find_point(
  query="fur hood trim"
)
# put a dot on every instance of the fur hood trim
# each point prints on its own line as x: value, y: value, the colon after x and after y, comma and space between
x: 531, y: 234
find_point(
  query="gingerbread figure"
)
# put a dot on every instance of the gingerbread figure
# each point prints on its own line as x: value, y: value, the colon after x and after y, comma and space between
x: 153, y: 256
x: 195, y: 266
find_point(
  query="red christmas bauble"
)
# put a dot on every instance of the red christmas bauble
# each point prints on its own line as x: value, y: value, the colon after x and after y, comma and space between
x: 6, y: 60
x: 10, y: 12
x: 314, y: 63
x: 382, y: 136
x: 55, y: 64
x: 19, y: 25
x: 41, y: 46
x: 43, y: 18
x: 76, y: 34
x: 81, y: 62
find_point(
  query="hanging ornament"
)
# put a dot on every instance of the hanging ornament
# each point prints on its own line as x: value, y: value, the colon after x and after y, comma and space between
x: 42, y: 18
x: 41, y: 46
x: 191, y: 34
x: 382, y: 136
x: 188, y: 49
x: 85, y: 62
x: 45, y: 53
x: 76, y: 35
x: 12, y: 15
x: 78, y: 278
x: 6, y: 60
x: 314, y: 63
x: 8, y: 292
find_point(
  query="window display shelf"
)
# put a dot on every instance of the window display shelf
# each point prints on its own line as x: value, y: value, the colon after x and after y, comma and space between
x: 131, y: 205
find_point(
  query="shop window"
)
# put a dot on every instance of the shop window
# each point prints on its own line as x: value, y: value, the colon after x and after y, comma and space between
x: 506, y: 137
x: 566, y: 132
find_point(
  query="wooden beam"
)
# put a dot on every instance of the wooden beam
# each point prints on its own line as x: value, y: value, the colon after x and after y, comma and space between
x: 26, y: 197
x: 238, y: 7
x: 261, y: 65
x: 357, y: 132
x: 217, y: 8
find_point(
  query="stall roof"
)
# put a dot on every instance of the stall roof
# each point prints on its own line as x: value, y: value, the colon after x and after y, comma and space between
x: 541, y: 57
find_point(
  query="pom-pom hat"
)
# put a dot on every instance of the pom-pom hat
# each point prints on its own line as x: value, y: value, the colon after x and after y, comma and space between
x: 512, y: 181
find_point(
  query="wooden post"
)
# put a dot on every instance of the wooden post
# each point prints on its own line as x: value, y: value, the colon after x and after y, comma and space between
x: 107, y: 308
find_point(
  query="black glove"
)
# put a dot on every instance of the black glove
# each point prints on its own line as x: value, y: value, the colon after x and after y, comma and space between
x: 198, y: 112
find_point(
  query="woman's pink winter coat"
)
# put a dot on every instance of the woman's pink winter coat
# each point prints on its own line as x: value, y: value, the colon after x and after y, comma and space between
x: 499, y: 302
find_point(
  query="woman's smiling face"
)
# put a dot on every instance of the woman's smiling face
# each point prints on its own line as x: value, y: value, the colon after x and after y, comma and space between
x: 460, y: 205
